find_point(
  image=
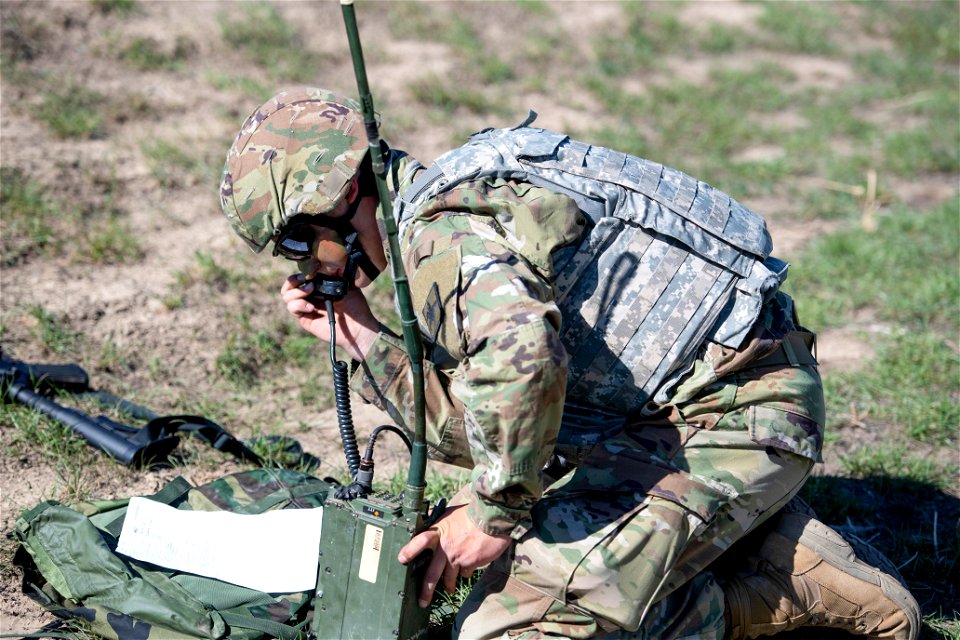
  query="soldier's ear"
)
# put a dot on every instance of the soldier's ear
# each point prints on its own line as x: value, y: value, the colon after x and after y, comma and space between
x: 354, y: 189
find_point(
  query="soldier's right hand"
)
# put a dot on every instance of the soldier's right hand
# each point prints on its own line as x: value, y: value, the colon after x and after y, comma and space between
x: 357, y: 327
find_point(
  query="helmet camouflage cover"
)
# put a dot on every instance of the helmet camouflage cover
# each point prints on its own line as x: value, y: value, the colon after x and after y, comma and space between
x: 296, y: 154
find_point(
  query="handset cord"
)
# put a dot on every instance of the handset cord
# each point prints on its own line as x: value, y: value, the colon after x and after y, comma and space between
x: 341, y: 394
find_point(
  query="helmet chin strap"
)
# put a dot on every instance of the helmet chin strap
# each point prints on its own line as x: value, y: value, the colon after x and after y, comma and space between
x: 356, y: 256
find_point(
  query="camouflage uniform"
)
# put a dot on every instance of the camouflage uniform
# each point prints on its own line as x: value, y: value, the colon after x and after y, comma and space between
x: 618, y: 541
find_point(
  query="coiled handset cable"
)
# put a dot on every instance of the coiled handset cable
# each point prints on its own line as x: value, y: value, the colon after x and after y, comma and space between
x: 341, y: 395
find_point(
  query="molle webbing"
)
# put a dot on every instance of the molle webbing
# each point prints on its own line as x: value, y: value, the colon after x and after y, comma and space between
x: 668, y: 261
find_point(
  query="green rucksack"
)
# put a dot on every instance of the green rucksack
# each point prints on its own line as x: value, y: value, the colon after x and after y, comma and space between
x: 70, y: 566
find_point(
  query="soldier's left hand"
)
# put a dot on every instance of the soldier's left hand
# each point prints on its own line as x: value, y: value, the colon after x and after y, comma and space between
x: 459, y: 548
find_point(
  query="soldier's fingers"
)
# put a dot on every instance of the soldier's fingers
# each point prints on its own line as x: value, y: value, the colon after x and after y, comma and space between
x: 437, y: 568
x: 450, y: 575
x: 288, y: 292
x: 428, y: 539
x: 294, y: 283
x: 300, y: 306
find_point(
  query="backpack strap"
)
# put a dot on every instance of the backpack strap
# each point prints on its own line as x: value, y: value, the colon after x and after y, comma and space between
x: 168, y: 495
x: 208, y: 430
x: 308, y: 487
x: 270, y: 627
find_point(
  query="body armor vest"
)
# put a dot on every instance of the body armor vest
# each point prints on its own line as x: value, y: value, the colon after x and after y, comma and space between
x: 668, y: 262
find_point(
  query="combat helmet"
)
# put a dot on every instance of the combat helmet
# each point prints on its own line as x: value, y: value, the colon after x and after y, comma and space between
x: 296, y: 154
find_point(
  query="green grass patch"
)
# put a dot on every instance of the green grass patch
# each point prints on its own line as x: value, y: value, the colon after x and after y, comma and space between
x: 32, y: 218
x: 439, y: 485
x: 109, y: 241
x: 53, y: 332
x: 647, y: 32
x: 69, y: 456
x: 906, y: 271
x: 147, y: 54
x: 890, y: 465
x: 269, y: 40
x: 29, y: 214
x: 72, y: 110
x: 244, y: 84
x: 207, y: 271
x: 914, y: 382
x: 244, y: 356
x: 446, y: 100
x: 174, y: 163
x: 799, y: 27
x: 720, y: 38
x: 698, y: 128
x: 462, y: 35
x: 118, y: 7
x: 34, y: 431
x: 919, y: 30
x: 252, y: 354
x: 923, y: 150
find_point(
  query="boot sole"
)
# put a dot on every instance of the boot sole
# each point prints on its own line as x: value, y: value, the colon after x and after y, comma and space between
x: 856, y: 558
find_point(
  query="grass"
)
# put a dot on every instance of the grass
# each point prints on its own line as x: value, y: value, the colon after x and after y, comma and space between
x: 646, y: 33
x: 33, y: 219
x: 175, y: 163
x: 147, y: 54
x: 270, y: 41
x: 207, y: 271
x: 435, y: 92
x: 72, y: 110
x: 901, y: 271
x: 109, y: 241
x: 799, y: 27
x: 223, y: 81
x: 926, y: 364
x: 119, y: 7
x: 69, y: 456
x: 29, y: 215
x: 52, y: 331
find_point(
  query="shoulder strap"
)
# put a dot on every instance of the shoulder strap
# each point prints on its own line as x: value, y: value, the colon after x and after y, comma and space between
x: 209, y: 431
x: 270, y: 627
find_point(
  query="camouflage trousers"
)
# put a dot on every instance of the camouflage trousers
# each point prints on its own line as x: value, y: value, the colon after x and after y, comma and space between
x: 620, y: 546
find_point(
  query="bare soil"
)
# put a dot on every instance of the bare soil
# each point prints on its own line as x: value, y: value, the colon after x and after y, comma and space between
x: 169, y: 350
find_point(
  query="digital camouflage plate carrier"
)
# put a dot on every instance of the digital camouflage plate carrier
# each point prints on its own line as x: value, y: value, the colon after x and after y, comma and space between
x: 668, y: 261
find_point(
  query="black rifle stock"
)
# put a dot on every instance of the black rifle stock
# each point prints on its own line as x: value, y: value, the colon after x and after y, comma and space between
x: 25, y: 383
x: 30, y: 384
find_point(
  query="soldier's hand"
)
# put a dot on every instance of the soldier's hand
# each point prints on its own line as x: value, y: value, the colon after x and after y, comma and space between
x: 459, y: 548
x: 357, y: 327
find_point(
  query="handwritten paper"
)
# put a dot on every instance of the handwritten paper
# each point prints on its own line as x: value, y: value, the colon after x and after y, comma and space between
x: 274, y: 551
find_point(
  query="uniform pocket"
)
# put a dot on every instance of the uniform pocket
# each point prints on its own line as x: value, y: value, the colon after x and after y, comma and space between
x: 789, y: 430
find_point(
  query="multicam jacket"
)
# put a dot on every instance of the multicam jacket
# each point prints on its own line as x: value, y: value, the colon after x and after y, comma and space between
x: 490, y: 258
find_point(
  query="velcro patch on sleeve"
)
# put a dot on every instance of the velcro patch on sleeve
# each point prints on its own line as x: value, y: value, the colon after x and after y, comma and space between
x: 435, y: 286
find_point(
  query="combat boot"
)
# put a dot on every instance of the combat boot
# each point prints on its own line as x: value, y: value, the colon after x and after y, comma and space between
x: 806, y: 575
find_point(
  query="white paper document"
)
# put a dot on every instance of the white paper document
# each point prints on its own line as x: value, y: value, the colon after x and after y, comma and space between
x: 274, y: 551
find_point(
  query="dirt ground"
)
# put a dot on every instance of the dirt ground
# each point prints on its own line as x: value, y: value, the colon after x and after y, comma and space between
x: 126, y: 303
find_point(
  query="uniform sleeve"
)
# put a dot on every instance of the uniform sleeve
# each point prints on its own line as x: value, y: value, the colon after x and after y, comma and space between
x: 499, y: 322
x: 385, y: 379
